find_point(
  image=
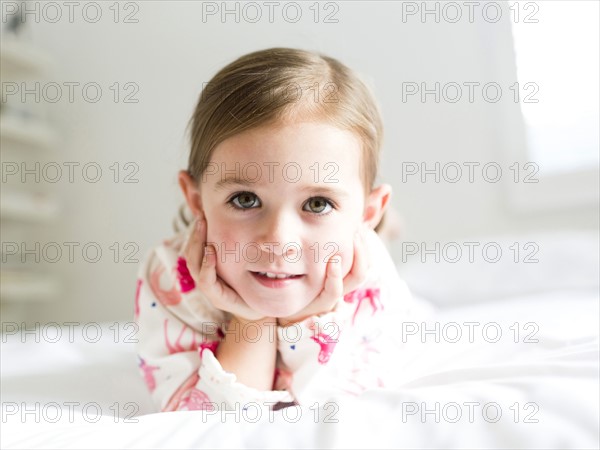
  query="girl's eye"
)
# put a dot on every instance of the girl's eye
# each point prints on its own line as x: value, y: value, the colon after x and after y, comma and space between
x: 244, y: 200
x: 319, y: 205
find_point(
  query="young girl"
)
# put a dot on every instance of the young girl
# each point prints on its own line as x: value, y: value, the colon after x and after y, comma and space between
x: 279, y: 291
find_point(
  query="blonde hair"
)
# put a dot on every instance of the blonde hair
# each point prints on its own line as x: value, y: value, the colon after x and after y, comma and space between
x: 277, y: 85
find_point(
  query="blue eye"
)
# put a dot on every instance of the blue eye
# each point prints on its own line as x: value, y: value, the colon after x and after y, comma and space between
x: 319, y: 205
x: 244, y: 200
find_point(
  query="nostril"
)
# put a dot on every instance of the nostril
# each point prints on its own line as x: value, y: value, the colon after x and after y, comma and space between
x: 291, y: 248
x: 280, y: 248
x: 268, y: 247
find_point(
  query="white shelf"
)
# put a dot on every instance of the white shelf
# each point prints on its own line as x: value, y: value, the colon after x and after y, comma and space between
x: 27, y: 132
x: 27, y: 206
x: 19, y: 61
x: 19, y: 286
x: 17, y: 56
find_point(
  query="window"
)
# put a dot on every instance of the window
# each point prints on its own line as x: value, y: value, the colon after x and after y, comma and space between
x: 557, y: 70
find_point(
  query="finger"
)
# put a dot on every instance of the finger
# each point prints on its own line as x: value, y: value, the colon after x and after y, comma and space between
x: 209, y: 282
x: 333, y: 288
x: 221, y: 295
x: 201, y: 234
x: 360, y: 264
x: 194, y: 248
x: 207, y: 277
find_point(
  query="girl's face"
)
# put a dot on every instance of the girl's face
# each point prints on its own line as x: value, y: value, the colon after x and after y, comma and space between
x: 283, y: 199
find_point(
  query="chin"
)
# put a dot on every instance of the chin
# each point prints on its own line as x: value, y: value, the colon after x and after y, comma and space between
x: 277, y: 311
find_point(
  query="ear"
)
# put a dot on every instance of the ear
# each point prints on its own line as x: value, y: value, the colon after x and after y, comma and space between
x: 190, y: 192
x: 376, y: 204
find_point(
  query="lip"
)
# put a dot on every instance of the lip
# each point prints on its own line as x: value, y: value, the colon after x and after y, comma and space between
x: 275, y: 282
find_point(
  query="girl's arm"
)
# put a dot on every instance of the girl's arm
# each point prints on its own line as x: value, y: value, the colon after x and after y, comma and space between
x: 249, y: 350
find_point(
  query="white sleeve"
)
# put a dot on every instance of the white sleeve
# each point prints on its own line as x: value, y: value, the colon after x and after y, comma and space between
x: 309, y: 356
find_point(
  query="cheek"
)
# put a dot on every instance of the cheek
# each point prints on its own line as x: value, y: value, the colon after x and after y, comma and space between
x: 226, y: 240
x: 347, y: 252
x: 221, y: 233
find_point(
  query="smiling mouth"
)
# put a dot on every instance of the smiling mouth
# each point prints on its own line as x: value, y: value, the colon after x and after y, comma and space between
x: 276, y: 276
x: 274, y: 280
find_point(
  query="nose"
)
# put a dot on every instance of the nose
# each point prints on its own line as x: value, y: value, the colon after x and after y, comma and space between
x: 279, y: 234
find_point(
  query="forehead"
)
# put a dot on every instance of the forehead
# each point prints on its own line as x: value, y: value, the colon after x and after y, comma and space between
x: 315, y: 152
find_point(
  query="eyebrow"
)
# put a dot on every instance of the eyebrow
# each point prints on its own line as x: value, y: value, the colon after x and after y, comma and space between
x: 224, y: 183
x: 313, y: 188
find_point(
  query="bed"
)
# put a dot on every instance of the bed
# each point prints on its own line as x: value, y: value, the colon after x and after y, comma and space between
x: 519, y: 370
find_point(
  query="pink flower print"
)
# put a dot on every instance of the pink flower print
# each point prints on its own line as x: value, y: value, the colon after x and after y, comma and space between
x: 178, y: 347
x: 186, y: 282
x: 357, y: 296
x: 354, y: 379
x: 360, y: 379
x: 168, y: 298
x: 327, y: 344
x: 136, y: 313
x: 187, y: 384
x: 366, y: 351
x: 194, y: 400
x: 148, y: 374
x: 211, y: 345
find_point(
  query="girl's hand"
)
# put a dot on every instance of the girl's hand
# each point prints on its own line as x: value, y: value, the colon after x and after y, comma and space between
x: 201, y: 260
x: 335, y: 286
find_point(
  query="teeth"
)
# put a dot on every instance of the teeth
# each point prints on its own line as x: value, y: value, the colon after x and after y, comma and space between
x: 274, y: 275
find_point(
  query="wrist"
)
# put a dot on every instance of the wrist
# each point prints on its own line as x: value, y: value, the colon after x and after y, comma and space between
x: 264, y: 321
x: 287, y: 321
x: 304, y: 315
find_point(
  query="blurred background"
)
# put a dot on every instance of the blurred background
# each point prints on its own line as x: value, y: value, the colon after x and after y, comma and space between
x: 491, y: 138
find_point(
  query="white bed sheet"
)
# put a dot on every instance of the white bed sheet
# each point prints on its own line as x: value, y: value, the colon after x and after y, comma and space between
x: 554, y: 381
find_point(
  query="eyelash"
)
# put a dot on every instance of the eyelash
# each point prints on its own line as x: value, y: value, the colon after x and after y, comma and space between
x: 231, y: 204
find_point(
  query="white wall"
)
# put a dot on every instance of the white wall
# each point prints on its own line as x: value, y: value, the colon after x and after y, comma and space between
x: 171, y: 52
